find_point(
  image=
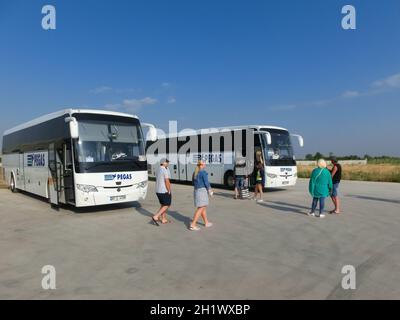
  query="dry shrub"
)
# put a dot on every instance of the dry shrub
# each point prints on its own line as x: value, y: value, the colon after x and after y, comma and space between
x: 369, y: 172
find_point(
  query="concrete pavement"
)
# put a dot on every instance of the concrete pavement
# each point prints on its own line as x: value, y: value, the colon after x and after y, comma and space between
x: 253, y: 251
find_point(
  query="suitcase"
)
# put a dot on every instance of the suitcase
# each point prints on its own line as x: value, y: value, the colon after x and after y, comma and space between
x: 244, y: 193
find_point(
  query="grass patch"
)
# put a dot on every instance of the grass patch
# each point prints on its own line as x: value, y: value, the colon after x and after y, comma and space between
x: 383, y: 172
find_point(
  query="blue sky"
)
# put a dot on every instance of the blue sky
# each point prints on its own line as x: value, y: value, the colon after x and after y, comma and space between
x: 212, y: 63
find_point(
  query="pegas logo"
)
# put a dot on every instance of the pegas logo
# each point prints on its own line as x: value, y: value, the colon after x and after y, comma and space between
x: 109, y: 177
x: 119, y: 176
x: 124, y: 176
x: 208, y: 157
x: 36, y: 160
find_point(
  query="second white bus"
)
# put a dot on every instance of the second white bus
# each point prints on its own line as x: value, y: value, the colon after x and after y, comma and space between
x: 272, y: 145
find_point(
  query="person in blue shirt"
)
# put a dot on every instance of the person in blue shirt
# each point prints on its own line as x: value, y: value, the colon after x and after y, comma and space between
x: 202, y: 189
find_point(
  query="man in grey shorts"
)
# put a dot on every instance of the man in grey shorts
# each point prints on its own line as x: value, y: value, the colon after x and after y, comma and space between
x: 163, y: 192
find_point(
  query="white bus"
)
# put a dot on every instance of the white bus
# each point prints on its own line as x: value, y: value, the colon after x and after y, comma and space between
x: 78, y: 157
x: 270, y: 145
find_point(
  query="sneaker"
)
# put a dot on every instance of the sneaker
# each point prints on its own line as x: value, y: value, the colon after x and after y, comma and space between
x: 196, y: 228
x: 322, y: 215
x: 311, y: 214
x: 260, y: 200
x: 208, y: 225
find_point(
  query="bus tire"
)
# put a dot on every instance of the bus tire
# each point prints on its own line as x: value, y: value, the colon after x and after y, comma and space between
x: 13, y: 186
x: 229, y: 179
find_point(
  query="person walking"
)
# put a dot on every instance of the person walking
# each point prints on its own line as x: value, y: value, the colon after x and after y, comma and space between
x: 202, y: 189
x: 163, y: 192
x: 260, y: 182
x: 336, y: 173
x: 320, y: 187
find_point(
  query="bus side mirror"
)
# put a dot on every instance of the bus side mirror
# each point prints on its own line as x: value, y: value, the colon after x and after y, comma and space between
x: 73, y: 127
x: 300, y: 138
x: 269, y: 139
x: 151, y: 133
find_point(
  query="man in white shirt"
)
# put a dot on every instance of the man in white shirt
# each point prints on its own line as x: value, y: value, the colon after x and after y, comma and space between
x: 163, y: 192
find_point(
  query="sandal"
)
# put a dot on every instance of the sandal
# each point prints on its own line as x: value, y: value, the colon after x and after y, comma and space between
x: 195, y: 228
x: 208, y: 225
x: 166, y: 221
x: 155, y: 221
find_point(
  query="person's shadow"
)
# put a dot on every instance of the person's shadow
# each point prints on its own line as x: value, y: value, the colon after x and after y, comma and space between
x: 289, y: 204
x: 180, y: 217
x: 284, y: 207
x: 174, y: 214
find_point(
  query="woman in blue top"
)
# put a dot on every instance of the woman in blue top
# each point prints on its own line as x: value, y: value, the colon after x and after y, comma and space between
x: 202, y: 189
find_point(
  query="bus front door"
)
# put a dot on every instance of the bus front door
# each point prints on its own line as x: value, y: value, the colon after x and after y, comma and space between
x: 21, y: 172
x: 183, y: 166
x: 53, y: 179
x: 68, y: 177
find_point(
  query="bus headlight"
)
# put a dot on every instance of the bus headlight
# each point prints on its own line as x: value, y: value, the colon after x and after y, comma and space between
x: 141, y: 185
x: 271, y: 175
x: 86, y: 188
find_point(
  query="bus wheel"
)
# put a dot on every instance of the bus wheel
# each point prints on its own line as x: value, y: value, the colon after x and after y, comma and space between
x: 12, y: 184
x: 229, y: 180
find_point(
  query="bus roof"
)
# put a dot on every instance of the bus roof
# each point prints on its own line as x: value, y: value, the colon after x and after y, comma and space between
x: 60, y: 113
x: 218, y: 129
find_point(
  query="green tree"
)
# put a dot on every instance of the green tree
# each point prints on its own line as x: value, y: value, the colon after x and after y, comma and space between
x: 318, y: 155
x: 309, y: 157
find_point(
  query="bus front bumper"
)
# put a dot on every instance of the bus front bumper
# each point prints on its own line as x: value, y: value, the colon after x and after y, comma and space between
x: 280, y: 183
x: 109, y: 196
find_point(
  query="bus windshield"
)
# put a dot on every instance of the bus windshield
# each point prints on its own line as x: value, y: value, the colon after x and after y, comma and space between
x: 280, y: 151
x: 105, y: 146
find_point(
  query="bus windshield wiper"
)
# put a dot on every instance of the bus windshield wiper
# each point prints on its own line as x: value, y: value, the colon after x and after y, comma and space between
x: 126, y: 159
x: 94, y: 165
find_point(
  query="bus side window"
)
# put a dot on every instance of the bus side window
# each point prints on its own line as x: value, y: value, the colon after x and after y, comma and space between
x: 199, y: 143
x: 181, y: 142
x: 257, y: 146
x: 244, y: 143
x: 174, y: 145
x: 68, y: 159
x: 167, y: 146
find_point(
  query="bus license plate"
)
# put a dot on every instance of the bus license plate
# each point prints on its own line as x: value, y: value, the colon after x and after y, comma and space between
x: 117, y: 198
x: 285, y: 182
